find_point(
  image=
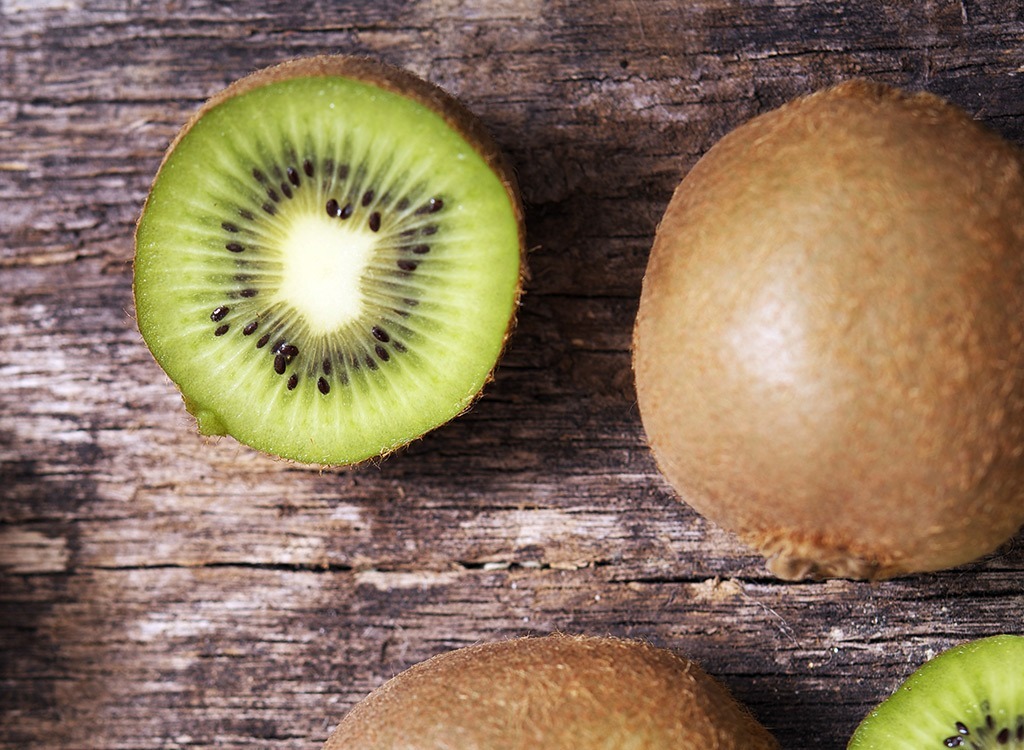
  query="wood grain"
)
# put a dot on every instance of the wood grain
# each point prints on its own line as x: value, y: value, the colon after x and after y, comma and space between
x: 160, y: 590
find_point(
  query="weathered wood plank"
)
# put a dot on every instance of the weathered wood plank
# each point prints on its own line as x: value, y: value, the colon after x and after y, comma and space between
x: 161, y: 590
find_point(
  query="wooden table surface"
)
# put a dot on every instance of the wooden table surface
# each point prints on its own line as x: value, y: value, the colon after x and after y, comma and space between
x: 161, y: 590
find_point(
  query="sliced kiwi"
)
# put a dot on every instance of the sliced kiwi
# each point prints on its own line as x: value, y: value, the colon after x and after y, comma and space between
x: 969, y: 697
x: 330, y: 260
x: 556, y: 692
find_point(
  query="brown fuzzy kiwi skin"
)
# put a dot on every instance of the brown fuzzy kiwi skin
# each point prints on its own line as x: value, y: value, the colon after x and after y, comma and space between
x: 404, y: 83
x: 556, y: 692
x: 829, y: 347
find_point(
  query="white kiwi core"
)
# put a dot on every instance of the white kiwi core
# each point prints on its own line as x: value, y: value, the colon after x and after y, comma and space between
x: 322, y: 266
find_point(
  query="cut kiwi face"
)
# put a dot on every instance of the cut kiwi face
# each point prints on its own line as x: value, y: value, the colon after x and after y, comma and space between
x: 330, y: 260
x: 969, y: 697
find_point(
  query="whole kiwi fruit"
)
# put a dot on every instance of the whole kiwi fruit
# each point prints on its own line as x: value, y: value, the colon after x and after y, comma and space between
x: 330, y: 259
x: 556, y: 692
x: 829, y: 346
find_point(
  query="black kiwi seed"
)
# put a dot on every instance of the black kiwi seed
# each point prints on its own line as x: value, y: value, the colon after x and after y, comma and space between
x: 269, y: 208
x: 333, y: 209
x: 367, y: 198
x: 280, y: 363
x: 221, y: 329
x: 286, y: 190
x: 248, y: 293
x: 421, y: 249
x: 272, y: 194
x: 218, y: 313
x: 293, y: 176
x: 402, y: 204
x: 343, y: 172
x: 307, y: 167
x: 323, y: 386
x: 250, y: 328
x: 370, y: 362
x: 289, y: 351
x: 263, y: 341
x: 380, y: 334
x: 246, y: 214
x: 260, y: 177
x: 407, y: 265
x: 347, y: 211
x: 432, y: 206
x: 382, y: 353
x: 234, y: 247
x: 375, y: 221
x: 398, y: 346
x: 326, y: 367
x: 228, y: 226
x: 293, y: 381
x: 963, y: 737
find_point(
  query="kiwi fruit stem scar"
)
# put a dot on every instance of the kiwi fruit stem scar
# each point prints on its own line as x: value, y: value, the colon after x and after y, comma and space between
x: 969, y: 697
x: 829, y: 346
x: 330, y: 260
x: 557, y: 692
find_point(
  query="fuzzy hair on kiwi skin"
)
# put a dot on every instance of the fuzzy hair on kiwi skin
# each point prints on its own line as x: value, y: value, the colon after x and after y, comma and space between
x: 557, y: 692
x: 863, y: 419
x: 406, y: 84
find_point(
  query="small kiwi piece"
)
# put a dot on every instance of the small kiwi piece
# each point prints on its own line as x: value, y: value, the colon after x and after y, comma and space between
x: 829, y: 346
x: 330, y: 260
x: 557, y: 692
x: 970, y: 697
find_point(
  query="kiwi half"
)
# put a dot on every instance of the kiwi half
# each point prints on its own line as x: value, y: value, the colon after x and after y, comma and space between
x: 829, y: 347
x: 969, y: 697
x: 556, y: 692
x: 330, y: 259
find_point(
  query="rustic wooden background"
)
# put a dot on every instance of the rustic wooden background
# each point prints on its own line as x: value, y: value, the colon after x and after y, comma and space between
x: 159, y: 590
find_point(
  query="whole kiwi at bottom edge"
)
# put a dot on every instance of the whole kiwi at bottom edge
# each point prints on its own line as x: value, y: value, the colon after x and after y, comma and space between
x: 970, y: 697
x: 829, y: 347
x: 330, y: 260
x: 556, y: 692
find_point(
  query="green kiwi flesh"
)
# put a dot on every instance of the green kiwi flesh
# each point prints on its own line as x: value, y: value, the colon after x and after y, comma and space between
x: 829, y: 347
x: 556, y: 692
x: 329, y: 261
x: 969, y: 697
